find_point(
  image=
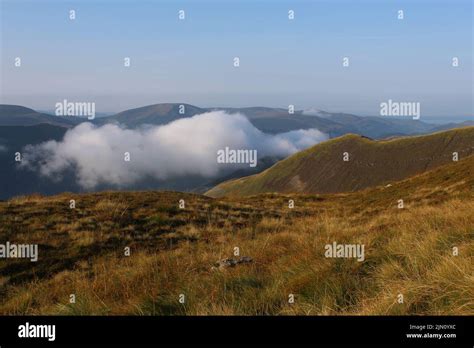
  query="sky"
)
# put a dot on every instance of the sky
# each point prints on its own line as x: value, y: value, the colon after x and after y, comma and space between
x: 282, y: 61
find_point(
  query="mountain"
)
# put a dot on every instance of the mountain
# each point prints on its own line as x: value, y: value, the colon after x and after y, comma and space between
x: 266, y: 119
x: 381, y: 127
x: 21, y: 126
x: 156, y: 114
x: 286, y: 123
x: 321, y: 169
x: 15, y: 115
x: 406, y: 251
x: 278, y: 120
x: 453, y: 125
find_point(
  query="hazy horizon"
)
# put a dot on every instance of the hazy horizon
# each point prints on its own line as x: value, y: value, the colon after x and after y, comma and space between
x: 282, y: 61
x: 441, y: 119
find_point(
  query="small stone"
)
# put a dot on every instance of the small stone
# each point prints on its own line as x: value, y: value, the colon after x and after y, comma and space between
x: 230, y: 262
x: 245, y: 259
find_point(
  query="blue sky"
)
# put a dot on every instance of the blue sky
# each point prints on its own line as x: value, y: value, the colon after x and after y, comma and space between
x: 282, y: 62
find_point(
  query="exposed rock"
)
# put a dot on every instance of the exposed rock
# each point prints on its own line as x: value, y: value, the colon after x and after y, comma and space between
x: 231, y: 262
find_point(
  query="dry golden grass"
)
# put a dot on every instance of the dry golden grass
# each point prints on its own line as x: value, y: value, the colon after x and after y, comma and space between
x: 412, y: 256
x: 407, y: 251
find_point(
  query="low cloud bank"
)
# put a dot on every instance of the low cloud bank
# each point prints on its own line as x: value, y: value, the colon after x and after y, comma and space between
x: 184, y: 147
x: 314, y: 112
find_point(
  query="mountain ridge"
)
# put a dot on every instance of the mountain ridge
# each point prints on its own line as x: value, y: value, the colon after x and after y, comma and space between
x: 17, y: 115
x: 266, y: 119
x: 322, y: 169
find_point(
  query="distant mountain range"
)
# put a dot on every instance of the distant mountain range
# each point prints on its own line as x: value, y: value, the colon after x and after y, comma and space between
x: 268, y: 120
x: 21, y: 126
x: 322, y: 168
x: 278, y: 120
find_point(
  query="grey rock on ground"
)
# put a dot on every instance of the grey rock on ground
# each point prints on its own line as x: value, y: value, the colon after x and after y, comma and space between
x: 231, y: 262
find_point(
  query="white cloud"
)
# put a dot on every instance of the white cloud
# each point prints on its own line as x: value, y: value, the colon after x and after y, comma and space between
x: 315, y: 112
x: 183, y: 147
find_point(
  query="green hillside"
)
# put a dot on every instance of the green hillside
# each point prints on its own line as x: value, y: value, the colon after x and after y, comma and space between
x: 321, y: 168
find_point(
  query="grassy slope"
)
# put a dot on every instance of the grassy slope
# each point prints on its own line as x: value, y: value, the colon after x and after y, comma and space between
x: 321, y: 169
x: 408, y: 251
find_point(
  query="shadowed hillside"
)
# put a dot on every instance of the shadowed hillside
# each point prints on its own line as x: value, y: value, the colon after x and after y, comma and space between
x: 15, y: 115
x: 174, y: 251
x: 322, y: 169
